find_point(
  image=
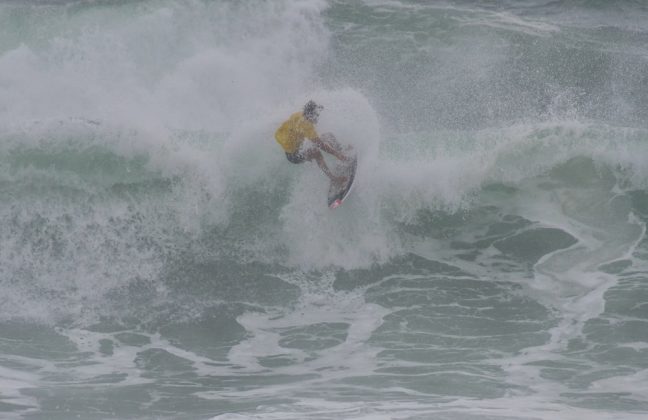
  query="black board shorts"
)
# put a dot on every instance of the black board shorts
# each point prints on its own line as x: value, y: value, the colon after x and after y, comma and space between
x: 295, y: 157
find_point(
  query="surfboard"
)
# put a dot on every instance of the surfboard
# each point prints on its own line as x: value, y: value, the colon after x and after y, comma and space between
x: 339, y: 192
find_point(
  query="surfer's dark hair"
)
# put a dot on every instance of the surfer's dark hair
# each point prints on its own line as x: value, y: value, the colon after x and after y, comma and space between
x: 312, y: 110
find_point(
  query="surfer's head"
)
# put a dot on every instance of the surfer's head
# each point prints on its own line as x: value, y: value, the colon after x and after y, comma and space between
x: 311, y: 111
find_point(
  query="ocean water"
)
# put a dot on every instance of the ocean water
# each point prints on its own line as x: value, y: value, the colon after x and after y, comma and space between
x: 160, y: 258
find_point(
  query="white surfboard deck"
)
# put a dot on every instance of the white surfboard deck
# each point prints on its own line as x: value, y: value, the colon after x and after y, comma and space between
x: 338, y: 193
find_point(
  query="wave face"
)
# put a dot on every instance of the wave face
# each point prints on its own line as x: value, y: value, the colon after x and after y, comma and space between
x: 159, y: 258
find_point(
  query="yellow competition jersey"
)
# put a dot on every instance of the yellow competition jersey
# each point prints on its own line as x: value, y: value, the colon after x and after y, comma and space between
x: 292, y: 133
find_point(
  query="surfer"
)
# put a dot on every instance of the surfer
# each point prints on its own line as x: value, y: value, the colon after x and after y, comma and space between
x: 301, y: 126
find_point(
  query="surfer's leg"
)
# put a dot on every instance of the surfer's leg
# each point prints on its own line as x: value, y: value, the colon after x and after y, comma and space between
x: 328, y: 148
x: 317, y: 155
x: 330, y: 139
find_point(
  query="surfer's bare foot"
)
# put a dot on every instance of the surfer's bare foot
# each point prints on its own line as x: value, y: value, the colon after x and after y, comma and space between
x: 340, y: 180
